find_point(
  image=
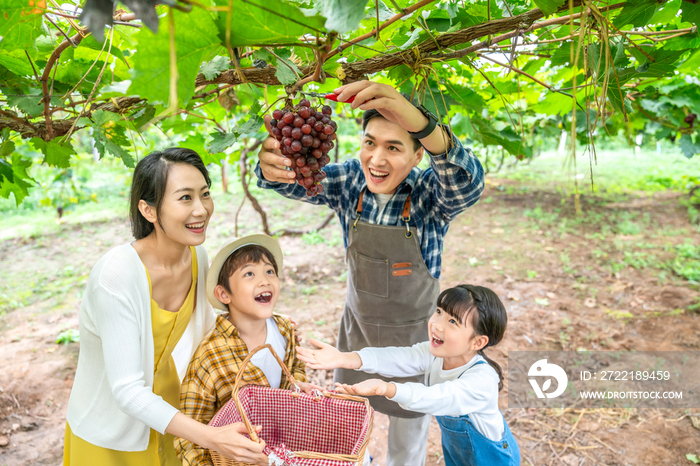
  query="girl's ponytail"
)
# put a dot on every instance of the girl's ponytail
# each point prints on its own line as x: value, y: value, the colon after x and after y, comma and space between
x: 496, y: 367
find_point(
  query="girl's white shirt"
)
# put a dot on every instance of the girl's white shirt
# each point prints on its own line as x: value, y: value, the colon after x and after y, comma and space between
x: 112, y: 404
x: 465, y: 390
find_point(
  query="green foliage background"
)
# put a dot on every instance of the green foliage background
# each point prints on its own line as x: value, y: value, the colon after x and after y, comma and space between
x: 595, y: 69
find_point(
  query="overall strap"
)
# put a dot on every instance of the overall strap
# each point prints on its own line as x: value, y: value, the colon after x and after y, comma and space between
x: 475, y: 364
x: 406, y: 213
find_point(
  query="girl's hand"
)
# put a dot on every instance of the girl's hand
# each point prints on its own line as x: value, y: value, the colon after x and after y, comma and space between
x: 369, y: 387
x: 309, y: 388
x: 386, y: 100
x: 328, y: 357
x: 272, y: 162
x: 231, y: 442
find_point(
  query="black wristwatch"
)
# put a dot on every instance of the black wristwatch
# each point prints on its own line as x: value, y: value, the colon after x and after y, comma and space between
x: 432, y: 123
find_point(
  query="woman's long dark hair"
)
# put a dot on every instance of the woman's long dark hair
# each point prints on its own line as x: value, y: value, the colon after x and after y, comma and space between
x: 150, y: 179
x: 490, y: 318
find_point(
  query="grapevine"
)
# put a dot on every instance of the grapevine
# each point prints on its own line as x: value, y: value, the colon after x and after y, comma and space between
x: 306, y: 136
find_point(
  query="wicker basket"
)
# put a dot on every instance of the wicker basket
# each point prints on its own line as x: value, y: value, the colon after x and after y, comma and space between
x: 335, y: 426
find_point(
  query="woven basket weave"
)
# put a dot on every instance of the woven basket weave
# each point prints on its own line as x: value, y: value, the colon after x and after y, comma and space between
x: 330, y: 429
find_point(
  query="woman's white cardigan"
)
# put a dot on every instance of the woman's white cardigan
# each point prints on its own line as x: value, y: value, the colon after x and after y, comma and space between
x: 112, y: 404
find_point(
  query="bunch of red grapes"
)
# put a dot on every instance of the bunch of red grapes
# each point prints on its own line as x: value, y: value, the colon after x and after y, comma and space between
x: 306, y: 137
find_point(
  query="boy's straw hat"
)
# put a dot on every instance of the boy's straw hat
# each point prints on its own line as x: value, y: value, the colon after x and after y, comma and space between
x: 268, y: 242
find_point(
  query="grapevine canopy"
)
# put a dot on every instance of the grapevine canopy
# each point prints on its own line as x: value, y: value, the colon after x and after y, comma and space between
x: 508, y: 73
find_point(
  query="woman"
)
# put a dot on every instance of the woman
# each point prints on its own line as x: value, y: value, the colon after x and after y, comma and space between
x: 141, y: 317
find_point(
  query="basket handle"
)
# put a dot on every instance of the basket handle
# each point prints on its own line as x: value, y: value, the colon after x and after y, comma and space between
x: 239, y: 378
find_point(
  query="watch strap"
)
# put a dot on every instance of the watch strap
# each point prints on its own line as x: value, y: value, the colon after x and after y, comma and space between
x: 428, y: 130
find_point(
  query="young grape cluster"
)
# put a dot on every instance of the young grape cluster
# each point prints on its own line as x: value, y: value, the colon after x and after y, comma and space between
x: 306, y: 136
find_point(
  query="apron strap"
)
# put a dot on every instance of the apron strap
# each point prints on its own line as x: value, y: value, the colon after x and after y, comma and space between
x: 406, y: 213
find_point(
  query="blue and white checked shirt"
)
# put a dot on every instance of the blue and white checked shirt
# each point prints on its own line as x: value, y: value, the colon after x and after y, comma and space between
x: 453, y: 182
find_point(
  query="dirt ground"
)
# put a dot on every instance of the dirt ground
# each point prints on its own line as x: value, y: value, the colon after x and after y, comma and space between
x: 499, y: 243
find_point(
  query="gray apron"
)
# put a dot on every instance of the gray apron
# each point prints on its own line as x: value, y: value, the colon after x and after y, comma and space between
x: 391, y: 296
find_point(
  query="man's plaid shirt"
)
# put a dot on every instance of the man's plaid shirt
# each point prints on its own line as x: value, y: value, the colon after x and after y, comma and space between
x: 453, y: 182
x: 208, y: 384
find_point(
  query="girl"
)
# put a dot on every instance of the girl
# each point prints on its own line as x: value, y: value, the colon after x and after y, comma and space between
x: 142, y: 315
x: 461, y: 382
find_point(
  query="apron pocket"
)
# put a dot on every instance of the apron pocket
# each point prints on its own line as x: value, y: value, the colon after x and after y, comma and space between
x: 372, y: 275
x: 403, y: 334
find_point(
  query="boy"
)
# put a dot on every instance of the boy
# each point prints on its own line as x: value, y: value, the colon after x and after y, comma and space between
x: 243, y: 281
x: 394, y: 219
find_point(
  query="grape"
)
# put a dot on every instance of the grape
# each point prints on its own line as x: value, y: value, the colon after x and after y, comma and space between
x: 306, y: 135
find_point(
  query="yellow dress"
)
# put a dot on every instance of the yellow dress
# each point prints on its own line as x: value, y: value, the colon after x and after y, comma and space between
x: 168, y: 328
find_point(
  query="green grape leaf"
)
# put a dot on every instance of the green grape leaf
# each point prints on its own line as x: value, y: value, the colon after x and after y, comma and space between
x: 637, y: 13
x: 143, y: 116
x: 384, y: 11
x: 688, y: 147
x: 667, y: 12
x: 214, y: 67
x: 91, y: 43
x: 467, y: 97
x: 195, y: 142
x: 258, y: 22
x: 20, y: 23
x: 341, y: 15
x: 110, y: 137
x: 254, y: 122
x: 6, y: 171
x: 6, y: 148
x: 221, y: 141
x: 195, y: 40
x: 55, y: 154
x: 663, y: 64
x: 548, y: 6
x: 691, y: 12
x: 31, y: 104
x: 19, y: 186
x: 287, y: 72
x: 17, y: 62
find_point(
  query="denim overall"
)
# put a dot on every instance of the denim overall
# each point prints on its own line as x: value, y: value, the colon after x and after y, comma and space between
x: 464, y: 445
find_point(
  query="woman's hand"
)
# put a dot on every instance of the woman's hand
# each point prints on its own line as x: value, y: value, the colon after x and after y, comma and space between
x: 272, y: 162
x: 231, y: 442
x: 369, y: 387
x: 328, y: 357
